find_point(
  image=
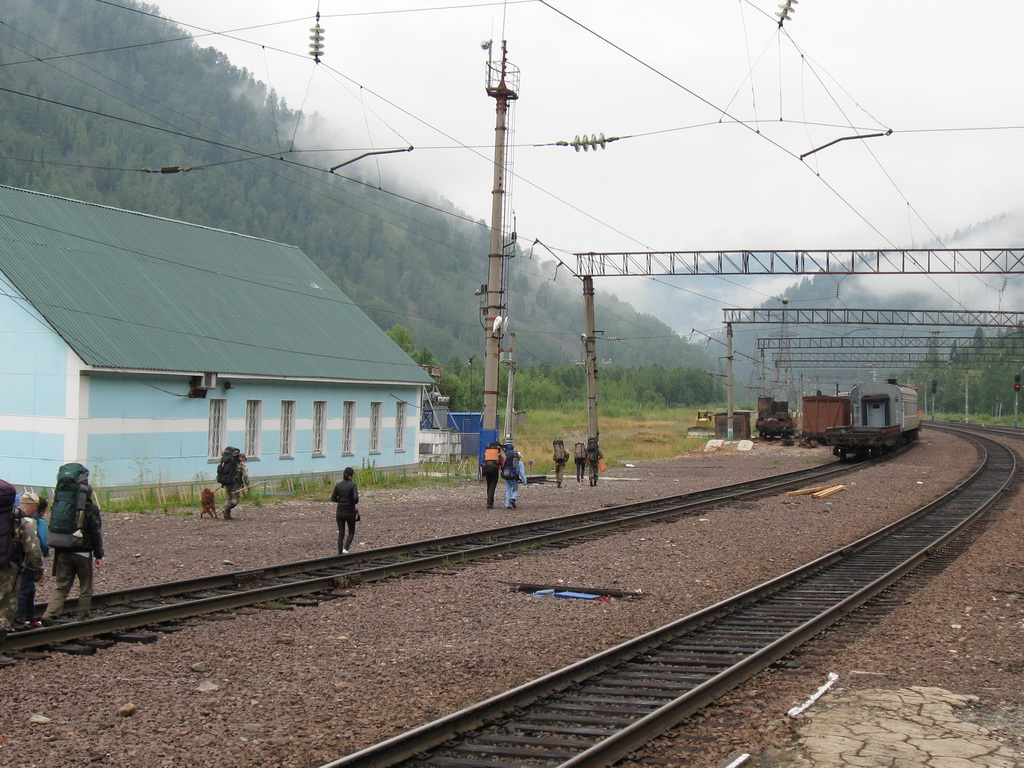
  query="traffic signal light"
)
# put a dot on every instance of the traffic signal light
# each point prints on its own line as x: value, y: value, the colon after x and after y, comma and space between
x: 935, y: 384
x: 1016, y: 383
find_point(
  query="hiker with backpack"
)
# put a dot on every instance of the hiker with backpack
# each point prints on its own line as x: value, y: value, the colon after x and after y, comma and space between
x: 595, y: 458
x: 580, y: 457
x: 513, y: 473
x: 33, y: 508
x: 76, y: 537
x: 561, y: 457
x: 19, y: 543
x: 490, y: 470
x: 233, y: 477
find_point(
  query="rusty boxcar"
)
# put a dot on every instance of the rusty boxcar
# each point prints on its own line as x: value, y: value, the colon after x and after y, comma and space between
x: 820, y: 412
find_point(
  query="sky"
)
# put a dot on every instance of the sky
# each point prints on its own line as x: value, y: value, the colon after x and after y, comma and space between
x: 713, y: 105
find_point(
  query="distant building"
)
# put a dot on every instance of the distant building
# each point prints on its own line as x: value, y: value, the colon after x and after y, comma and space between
x: 141, y: 346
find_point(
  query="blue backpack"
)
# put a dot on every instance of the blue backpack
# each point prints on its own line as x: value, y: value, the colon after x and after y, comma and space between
x: 511, y: 469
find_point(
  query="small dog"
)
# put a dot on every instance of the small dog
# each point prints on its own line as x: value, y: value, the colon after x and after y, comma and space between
x: 209, y: 507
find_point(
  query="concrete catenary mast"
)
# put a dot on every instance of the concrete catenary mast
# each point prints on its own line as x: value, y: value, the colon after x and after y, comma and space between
x: 502, y: 85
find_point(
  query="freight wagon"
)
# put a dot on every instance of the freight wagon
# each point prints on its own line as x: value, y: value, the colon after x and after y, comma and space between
x: 820, y: 412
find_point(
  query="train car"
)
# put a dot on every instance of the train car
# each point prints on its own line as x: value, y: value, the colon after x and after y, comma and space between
x: 884, y: 417
x: 774, y: 419
x: 820, y: 412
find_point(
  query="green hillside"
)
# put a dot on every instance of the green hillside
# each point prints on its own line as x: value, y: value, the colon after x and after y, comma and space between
x: 95, y: 96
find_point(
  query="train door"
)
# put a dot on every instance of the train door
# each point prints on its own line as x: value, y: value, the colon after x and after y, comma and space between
x: 875, y: 412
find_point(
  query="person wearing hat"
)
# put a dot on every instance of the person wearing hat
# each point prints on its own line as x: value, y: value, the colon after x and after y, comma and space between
x: 18, y: 542
x: 33, y: 507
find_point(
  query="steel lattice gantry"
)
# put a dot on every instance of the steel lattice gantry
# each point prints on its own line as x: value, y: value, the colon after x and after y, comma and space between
x: 889, y: 342
x: 932, y: 261
x: 932, y: 317
x: 887, y: 359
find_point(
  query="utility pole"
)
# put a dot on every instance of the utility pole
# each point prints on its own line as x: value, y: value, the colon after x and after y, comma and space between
x: 590, y: 345
x: 967, y: 395
x: 502, y: 83
x: 510, y: 394
x: 728, y: 385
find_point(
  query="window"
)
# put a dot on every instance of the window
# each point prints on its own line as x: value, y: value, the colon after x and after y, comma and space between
x: 399, y: 426
x: 319, y: 428
x: 217, y: 435
x: 287, y: 429
x: 375, y: 427
x: 253, y: 428
x: 348, y: 428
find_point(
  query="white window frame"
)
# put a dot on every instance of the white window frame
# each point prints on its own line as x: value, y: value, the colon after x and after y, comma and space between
x: 348, y: 428
x: 253, y: 429
x: 217, y: 428
x: 375, y: 418
x: 400, y: 426
x: 287, y: 429
x: 319, y: 446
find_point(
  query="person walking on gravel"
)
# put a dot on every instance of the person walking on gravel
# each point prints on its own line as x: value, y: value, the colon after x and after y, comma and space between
x: 560, y: 457
x: 594, y: 460
x: 346, y: 496
x: 19, y: 543
x: 514, y: 473
x: 71, y: 564
x: 580, y: 457
x: 491, y: 470
x: 32, y: 507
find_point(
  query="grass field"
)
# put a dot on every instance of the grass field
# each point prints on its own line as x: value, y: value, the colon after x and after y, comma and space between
x: 652, y: 434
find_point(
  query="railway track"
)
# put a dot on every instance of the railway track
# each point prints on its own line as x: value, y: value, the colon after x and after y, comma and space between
x: 122, y: 616
x: 598, y: 710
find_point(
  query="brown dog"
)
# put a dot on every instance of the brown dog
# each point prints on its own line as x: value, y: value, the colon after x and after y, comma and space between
x: 209, y: 507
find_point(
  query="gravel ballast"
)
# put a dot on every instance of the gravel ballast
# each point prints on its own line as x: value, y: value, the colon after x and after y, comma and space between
x: 273, y: 687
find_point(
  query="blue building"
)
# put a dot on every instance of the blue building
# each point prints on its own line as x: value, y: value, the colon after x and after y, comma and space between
x: 141, y: 346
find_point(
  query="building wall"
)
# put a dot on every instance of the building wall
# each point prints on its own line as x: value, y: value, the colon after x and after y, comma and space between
x: 37, y: 405
x: 131, y: 428
x: 143, y: 430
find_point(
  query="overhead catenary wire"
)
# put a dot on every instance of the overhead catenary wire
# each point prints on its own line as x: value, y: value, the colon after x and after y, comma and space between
x: 122, y: 6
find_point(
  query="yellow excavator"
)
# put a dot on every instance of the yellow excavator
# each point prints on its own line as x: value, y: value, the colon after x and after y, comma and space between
x: 705, y: 426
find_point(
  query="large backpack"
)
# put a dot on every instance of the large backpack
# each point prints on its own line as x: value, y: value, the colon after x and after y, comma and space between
x: 227, y: 470
x: 560, y: 453
x: 510, y: 470
x: 67, y: 513
x: 7, y: 523
x: 581, y: 451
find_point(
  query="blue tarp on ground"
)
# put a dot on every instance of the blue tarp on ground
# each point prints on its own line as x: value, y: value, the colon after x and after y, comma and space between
x: 576, y: 595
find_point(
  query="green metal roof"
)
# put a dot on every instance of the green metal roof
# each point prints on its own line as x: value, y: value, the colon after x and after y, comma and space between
x: 130, y: 291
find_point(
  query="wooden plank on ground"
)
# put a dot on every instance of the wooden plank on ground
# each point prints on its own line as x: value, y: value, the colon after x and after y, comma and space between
x: 828, y: 491
x: 805, y: 491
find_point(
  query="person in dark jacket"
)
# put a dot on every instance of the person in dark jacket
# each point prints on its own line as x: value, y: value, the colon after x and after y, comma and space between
x: 580, y: 457
x: 69, y: 565
x: 346, y: 496
x: 491, y: 469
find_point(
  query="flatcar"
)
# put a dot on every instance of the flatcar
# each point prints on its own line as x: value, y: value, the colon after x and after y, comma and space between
x: 884, y: 416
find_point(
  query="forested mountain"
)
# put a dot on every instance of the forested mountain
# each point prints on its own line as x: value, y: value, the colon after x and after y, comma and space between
x: 96, y: 99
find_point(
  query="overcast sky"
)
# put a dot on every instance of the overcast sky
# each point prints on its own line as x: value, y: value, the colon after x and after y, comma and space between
x: 714, y: 104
